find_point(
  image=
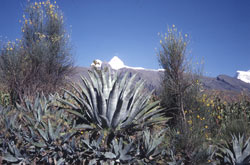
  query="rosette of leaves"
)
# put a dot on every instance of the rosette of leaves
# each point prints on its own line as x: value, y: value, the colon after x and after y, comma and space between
x: 149, y: 149
x: 12, y: 148
x: 113, y: 102
x: 236, y: 153
x: 118, y: 151
x: 45, y: 136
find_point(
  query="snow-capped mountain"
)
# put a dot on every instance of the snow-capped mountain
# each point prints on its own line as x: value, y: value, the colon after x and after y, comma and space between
x: 116, y: 63
x: 153, y: 78
x: 243, y: 76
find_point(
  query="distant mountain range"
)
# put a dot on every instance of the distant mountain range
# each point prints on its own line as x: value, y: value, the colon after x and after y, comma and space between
x: 237, y: 84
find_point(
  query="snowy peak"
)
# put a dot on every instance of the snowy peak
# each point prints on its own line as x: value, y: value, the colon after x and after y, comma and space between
x: 97, y: 63
x: 116, y: 63
x: 243, y: 76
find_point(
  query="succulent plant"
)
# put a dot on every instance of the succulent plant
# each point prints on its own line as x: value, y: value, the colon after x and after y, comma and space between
x: 149, y: 146
x: 114, y: 102
x: 237, y: 152
x: 38, y: 133
x: 118, y: 151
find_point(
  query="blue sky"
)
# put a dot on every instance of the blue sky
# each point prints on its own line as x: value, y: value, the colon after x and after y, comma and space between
x: 101, y: 29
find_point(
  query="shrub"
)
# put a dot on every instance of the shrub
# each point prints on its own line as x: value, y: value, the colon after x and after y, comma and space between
x: 41, y: 60
x: 180, y: 85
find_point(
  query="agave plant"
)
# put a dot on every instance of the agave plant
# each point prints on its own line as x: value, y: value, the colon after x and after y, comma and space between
x: 237, y: 153
x: 149, y: 146
x: 114, y: 102
x: 43, y: 133
x: 118, y: 151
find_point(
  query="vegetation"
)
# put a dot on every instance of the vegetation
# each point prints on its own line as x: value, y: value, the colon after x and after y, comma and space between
x: 41, y: 59
x: 179, y: 84
x: 110, y: 118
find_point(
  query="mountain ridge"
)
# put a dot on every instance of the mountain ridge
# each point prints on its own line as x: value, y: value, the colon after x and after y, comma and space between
x: 153, y: 77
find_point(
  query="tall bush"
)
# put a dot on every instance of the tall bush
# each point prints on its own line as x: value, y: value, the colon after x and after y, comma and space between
x: 180, y: 83
x: 41, y: 60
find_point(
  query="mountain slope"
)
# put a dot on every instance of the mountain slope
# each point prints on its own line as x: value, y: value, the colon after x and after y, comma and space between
x: 153, y: 77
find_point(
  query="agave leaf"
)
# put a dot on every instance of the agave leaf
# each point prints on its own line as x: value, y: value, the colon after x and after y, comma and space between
x: 123, y: 81
x: 237, y: 145
x: 103, y: 104
x: 99, y: 80
x: 137, y: 107
x: 109, y: 155
x: 43, y: 134
x: 9, y: 158
x: 76, y: 113
x: 92, y: 162
x: 67, y: 103
x: 113, y: 81
x: 128, y: 85
x: 86, y: 94
x: 128, y: 147
x: 60, y: 161
x: 93, y: 80
x: 11, y: 148
x: 83, y: 126
x: 230, y: 154
x: 81, y: 102
x: 152, y: 114
x: 105, y: 90
x: 94, y: 100
x: 138, y: 88
x: 246, y: 152
x: 39, y: 145
x: 105, y: 120
x: 120, y: 113
x: 150, y: 107
x: 112, y: 102
x: 109, y: 81
x: 51, y: 131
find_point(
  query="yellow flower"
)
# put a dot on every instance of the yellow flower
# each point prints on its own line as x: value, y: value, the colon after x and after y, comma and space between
x: 55, y: 2
x: 81, y: 132
x: 190, y: 122
x: 208, y: 105
x: 165, y: 38
x: 203, y: 118
x: 173, y: 26
x: 206, y: 126
x: 26, y: 21
x: 35, y: 3
x: 178, y: 132
x: 198, y: 116
x: 219, y: 117
x: 11, y: 48
x: 50, y: 6
x: 186, y: 35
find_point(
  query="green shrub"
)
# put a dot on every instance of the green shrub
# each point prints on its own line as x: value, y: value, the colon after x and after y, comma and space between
x: 41, y: 59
